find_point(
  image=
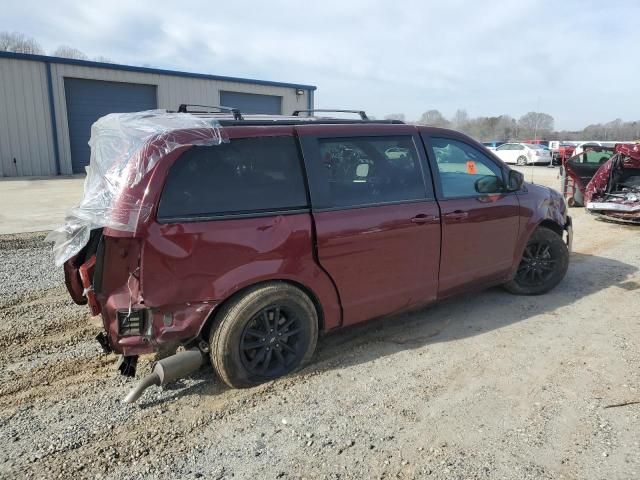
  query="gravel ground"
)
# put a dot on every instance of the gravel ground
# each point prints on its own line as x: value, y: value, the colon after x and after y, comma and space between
x: 486, y: 386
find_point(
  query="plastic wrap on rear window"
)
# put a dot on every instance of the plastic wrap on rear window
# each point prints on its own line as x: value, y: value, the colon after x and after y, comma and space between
x: 125, y: 147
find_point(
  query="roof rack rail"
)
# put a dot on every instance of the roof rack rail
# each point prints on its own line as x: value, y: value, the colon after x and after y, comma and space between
x: 362, y: 113
x: 236, y: 112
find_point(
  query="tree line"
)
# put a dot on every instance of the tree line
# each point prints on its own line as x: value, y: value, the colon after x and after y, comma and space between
x: 19, y: 43
x: 530, y: 126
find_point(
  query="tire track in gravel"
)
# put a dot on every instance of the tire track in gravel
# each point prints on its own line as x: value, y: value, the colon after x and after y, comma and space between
x: 155, y: 428
x: 52, y: 380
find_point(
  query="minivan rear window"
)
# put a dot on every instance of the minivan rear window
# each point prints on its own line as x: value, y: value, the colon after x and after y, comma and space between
x: 244, y: 176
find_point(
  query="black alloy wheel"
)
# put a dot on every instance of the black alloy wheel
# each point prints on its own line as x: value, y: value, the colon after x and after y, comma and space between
x: 270, y: 342
x: 537, y: 265
x: 544, y: 264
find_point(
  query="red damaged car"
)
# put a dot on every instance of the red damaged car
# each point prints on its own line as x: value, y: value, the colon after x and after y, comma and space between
x: 578, y: 170
x: 606, y: 180
x: 614, y: 191
x: 246, y: 248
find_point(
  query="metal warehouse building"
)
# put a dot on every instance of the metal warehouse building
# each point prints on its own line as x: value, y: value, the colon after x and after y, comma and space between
x: 47, y: 105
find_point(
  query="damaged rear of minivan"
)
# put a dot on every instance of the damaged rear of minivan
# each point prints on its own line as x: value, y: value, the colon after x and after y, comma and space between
x: 100, y: 245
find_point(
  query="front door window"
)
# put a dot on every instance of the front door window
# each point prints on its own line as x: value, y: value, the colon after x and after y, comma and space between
x: 462, y: 167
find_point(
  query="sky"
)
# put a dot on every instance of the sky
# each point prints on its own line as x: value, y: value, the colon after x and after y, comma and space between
x: 574, y: 59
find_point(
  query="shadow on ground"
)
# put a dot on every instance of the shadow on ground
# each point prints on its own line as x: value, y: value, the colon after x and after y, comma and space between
x: 450, y: 320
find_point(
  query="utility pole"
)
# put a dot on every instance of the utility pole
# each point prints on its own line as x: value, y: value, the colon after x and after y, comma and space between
x: 535, y: 126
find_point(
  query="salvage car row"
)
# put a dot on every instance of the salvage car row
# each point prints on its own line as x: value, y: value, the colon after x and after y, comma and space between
x: 545, y: 152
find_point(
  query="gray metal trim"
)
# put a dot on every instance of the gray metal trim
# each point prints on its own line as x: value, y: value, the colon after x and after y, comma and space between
x: 159, y: 71
x: 52, y: 114
x: 231, y: 216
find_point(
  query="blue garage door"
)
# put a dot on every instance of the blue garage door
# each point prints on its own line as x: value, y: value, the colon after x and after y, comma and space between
x: 88, y: 100
x: 251, y: 102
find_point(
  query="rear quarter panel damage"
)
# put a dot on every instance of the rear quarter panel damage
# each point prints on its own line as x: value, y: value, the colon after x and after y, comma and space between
x: 205, y: 263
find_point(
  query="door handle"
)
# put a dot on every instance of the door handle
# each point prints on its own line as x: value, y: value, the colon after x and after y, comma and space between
x: 457, y: 215
x: 423, y: 218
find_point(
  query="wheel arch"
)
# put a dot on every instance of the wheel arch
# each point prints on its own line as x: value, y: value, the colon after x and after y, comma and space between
x: 551, y: 225
x: 544, y: 230
x: 548, y: 223
x: 213, y: 318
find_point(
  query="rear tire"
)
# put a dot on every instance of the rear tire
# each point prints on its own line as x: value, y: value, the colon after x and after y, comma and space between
x: 522, y: 160
x: 268, y: 332
x: 544, y: 264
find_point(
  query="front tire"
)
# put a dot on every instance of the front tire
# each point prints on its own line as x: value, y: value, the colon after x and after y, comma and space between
x: 266, y: 333
x: 544, y: 264
x: 522, y: 160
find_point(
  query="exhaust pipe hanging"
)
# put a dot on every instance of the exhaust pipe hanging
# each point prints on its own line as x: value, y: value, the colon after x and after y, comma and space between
x: 168, y: 370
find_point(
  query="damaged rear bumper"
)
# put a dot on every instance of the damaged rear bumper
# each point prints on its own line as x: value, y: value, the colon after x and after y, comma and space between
x: 142, y: 330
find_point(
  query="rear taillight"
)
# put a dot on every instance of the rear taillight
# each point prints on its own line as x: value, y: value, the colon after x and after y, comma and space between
x: 131, y: 323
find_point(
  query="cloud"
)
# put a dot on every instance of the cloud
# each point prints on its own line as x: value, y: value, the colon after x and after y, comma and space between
x: 571, y: 59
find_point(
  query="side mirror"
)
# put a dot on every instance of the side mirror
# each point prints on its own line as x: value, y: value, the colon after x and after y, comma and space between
x: 516, y: 180
x: 488, y: 184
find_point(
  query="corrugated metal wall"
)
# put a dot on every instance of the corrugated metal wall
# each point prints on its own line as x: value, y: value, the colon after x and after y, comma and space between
x: 25, y: 120
x: 25, y: 126
x: 172, y: 91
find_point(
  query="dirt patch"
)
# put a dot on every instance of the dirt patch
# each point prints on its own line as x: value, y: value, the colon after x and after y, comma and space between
x: 485, y: 386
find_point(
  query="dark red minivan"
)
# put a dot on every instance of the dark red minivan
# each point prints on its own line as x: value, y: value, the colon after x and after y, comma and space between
x: 301, y: 225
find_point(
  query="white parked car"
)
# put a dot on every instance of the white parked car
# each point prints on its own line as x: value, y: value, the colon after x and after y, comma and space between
x: 523, y: 153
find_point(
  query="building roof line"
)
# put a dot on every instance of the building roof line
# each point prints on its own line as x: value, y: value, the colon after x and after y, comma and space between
x: 157, y: 71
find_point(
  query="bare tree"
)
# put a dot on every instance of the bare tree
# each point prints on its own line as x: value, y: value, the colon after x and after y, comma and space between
x: 433, y: 118
x: 102, y: 59
x: 395, y: 116
x: 535, y: 124
x: 460, y: 119
x: 500, y: 128
x: 65, y: 51
x: 19, y: 43
x: 505, y: 128
x: 614, y: 130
